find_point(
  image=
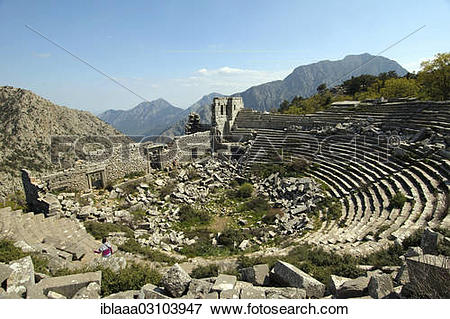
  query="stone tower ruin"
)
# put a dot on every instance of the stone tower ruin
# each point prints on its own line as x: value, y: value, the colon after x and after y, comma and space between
x: 224, y: 111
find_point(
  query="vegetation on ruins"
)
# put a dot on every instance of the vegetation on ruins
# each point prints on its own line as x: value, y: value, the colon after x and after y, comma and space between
x: 398, y: 200
x: 432, y: 82
x: 189, y: 216
x: 9, y: 252
x: 211, y: 270
x: 132, y: 246
x: 295, y: 168
x: 102, y: 230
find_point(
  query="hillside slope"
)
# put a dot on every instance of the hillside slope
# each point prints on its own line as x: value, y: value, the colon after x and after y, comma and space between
x: 28, y: 122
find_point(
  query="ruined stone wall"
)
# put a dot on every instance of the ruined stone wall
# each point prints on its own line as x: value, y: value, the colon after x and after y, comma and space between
x: 119, y: 162
x: 184, y: 147
x: 224, y: 111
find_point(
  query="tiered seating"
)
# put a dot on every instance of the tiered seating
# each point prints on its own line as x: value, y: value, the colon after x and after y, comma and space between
x: 64, y: 237
x: 364, y: 176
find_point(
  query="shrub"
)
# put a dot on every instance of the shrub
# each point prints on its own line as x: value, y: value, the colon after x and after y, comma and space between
x: 8, y: 252
x: 245, y: 190
x: 387, y: 257
x: 211, y: 270
x: 271, y: 215
x: 133, y: 277
x: 102, y: 230
x: 138, y: 215
x: 190, y: 216
x: 398, y: 200
x: 230, y: 236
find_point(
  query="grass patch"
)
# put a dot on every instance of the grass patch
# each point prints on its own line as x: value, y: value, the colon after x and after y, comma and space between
x: 102, y: 230
x: 8, y: 252
x: 132, y: 246
x: 211, y: 270
x: 191, y: 217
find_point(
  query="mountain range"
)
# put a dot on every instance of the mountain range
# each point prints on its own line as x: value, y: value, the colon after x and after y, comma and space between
x: 160, y: 117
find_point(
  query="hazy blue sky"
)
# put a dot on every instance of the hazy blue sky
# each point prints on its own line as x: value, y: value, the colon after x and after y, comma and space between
x: 180, y: 50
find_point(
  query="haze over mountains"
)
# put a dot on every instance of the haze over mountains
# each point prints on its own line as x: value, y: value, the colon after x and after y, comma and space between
x: 160, y: 117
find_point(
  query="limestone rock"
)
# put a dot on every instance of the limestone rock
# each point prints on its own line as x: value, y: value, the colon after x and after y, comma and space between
x: 22, y: 274
x: 65, y: 285
x: 430, y: 241
x: 224, y: 282
x: 429, y: 276
x: 92, y: 291
x: 380, y: 286
x: 353, y: 288
x: 336, y: 282
x: 55, y: 295
x: 285, y: 293
x: 5, y: 272
x: 257, y: 275
x: 198, y: 289
x: 176, y: 281
x: 289, y: 275
x: 128, y: 294
x: 253, y: 293
x: 230, y: 293
x: 151, y: 291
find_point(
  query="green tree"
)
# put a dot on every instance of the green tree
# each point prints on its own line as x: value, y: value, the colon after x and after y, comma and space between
x: 434, y: 77
x: 399, y: 87
x: 321, y: 88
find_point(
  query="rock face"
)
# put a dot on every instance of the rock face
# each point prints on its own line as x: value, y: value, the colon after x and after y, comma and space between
x: 289, y: 275
x: 176, y: 281
x: 380, y: 286
x: 5, y: 271
x: 353, y: 288
x: 429, y: 276
x: 257, y: 275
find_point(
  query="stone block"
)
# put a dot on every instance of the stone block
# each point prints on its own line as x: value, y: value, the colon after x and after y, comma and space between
x: 176, y: 281
x: 128, y: 294
x: 151, y: 291
x: 230, y: 293
x: 380, y: 286
x: 353, y: 288
x: 258, y: 275
x: 224, y: 282
x: 429, y: 276
x: 336, y: 282
x: 430, y: 241
x: 286, y: 274
x: 198, y: 289
x: 285, y: 293
x: 22, y: 274
x: 92, y: 291
x: 253, y: 293
x: 65, y: 285
x: 5, y: 272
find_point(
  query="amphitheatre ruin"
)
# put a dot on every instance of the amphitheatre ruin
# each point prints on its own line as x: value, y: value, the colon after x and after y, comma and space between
x: 218, y: 211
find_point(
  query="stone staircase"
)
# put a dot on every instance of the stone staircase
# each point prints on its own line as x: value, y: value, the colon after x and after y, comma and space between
x: 64, y: 240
